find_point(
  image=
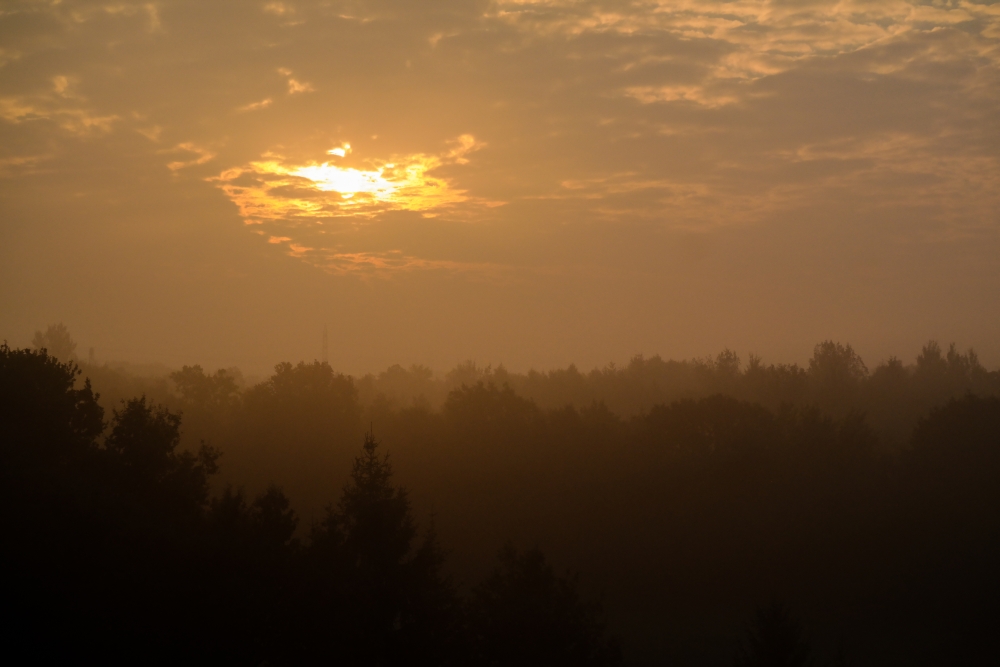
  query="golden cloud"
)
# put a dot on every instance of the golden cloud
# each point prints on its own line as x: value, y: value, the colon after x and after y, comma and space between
x: 202, y: 155
x: 293, y: 200
x: 762, y: 37
x: 71, y: 118
x: 275, y: 188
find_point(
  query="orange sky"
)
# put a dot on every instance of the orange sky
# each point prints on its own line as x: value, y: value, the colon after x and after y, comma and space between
x: 527, y: 182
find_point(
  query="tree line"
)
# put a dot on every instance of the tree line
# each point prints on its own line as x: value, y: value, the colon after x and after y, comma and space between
x: 116, y: 548
x: 689, y: 518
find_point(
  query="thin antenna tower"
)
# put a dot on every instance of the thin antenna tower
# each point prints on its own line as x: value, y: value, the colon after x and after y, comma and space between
x: 325, y: 346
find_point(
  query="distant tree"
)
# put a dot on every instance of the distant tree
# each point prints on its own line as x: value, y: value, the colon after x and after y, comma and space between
x: 719, y: 426
x: 889, y: 401
x: 467, y: 373
x: 485, y: 412
x: 57, y: 341
x: 774, y: 640
x: 836, y: 373
x: 773, y: 386
x: 524, y: 615
x: 400, y: 383
x: 210, y: 393
x: 835, y: 363
x: 727, y: 363
x: 930, y: 361
x: 964, y: 373
x: 208, y: 401
x: 941, y: 376
x: 295, y: 429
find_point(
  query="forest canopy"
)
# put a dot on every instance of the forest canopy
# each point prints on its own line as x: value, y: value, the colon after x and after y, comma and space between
x: 312, y: 514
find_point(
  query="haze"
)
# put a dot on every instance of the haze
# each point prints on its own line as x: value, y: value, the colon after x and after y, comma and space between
x: 503, y: 333
x: 532, y: 183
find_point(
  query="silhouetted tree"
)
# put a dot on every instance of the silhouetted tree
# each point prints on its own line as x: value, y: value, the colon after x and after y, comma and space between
x: 950, y: 501
x: 42, y: 415
x: 692, y: 505
x: 524, y: 614
x: 388, y: 590
x: 963, y: 435
x: 144, y: 440
x: 774, y: 640
x: 249, y: 566
x: 295, y: 429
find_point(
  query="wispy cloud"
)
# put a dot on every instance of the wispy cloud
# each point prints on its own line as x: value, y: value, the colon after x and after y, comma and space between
x: 72, y: 118
x: 254, y: 106
x: 380, y: 264
x: 201, y: 156
x: 758, y: 37
x: 19, y: 165
x: 294, y: 85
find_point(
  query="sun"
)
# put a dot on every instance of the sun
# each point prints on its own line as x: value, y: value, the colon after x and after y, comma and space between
x: 347, y: 181
x: 278, y: 189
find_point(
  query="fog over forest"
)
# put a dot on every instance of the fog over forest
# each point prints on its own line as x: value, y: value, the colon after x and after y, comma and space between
x: 500, y: 333
x: 659, y: 512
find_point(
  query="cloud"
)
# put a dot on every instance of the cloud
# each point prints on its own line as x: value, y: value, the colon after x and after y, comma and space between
x: 274, y: 188
x: 300, y: 204
x: 8, y: 55
x: 20, y: 165
x: 899, y: 171
x: 682, y: 114
x: 295, y: 86
x: 254, y: 106
x: 680, y: 93
x: 73, y: 119
x: 758, y: 38
x: 152, y: 133
x: 384, y: 264
x: 202, y: 155
x: 60, y: 84
x: 278, y: 8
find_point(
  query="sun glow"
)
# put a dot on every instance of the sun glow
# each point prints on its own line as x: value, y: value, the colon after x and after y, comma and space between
x: 276, y: 189
x: 347, y: 181
x: 298, y: 206
x: 340, y: 151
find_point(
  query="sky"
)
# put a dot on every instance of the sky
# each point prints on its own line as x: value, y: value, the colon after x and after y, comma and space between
x: 533, y: 183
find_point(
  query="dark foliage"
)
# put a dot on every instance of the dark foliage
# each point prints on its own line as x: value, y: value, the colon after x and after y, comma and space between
x: 684, y: 514
x: 524, y: 614
x: 774, y: 640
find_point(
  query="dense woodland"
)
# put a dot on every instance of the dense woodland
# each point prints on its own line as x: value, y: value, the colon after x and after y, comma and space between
x: 709, y: 512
